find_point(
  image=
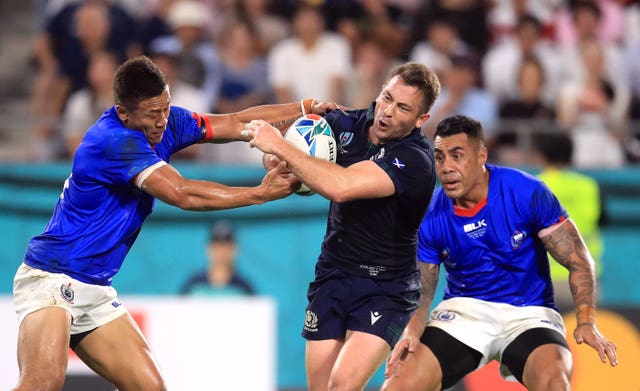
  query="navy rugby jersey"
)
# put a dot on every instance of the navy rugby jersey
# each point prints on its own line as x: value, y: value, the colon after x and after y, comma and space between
x: 100, y: 210
x: 377, y: 238
x: 492, y: 252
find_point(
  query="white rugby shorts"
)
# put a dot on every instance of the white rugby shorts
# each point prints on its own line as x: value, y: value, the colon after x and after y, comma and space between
x: 490, y: 327
x: 90, y: 305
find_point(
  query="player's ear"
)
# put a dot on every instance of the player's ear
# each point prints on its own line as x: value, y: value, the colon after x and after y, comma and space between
x: 483, y: 154
x: 123, y: 113
x: 422, y: 119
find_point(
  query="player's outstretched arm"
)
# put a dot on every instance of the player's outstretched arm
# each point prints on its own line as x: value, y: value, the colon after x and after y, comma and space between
x: 407, y: 345
x: 566, y: 245
x: 228, y: 127
x: 166, y: 184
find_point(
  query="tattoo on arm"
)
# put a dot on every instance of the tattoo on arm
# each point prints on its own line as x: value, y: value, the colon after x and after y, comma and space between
x: 283, y: 124
x: 567, y: 247
x: 429, y: 273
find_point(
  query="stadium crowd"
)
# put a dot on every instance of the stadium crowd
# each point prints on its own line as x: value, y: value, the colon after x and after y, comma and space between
x: 520, y: 67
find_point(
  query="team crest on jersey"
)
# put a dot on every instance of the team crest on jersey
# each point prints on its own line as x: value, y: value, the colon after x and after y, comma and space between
x: 517, y: 238
x: 67, y: 293
x: 444, y: 316
x: 311, y: 321
x: 345, y: 138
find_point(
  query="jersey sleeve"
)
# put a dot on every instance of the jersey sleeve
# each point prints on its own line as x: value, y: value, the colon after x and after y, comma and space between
x: 427, y: 251
x: 187, y: 128
x: 545, y: 208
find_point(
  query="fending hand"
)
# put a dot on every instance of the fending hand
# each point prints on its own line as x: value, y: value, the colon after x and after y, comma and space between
x: 400, y: 354
x: 588, y: 333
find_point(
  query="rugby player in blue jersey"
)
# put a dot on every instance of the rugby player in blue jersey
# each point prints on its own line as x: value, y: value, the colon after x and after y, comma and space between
x: 62, y: 291
x: 367, y: 280
x: 491, y: 228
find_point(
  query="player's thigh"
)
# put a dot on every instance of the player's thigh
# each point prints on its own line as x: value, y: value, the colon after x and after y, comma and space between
x: 359, y: 358
x: 537, y: 356
x: 320, y: 357
x: 119, y: 352
x: 548, y: 367
x: 43, y: 348
x: 420, y: 372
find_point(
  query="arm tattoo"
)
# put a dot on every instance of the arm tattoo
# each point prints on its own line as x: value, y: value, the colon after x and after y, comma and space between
x: 429, y: 273
x: 283, y: 124
x: 567, y: 247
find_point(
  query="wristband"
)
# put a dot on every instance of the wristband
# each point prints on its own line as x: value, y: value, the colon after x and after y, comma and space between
x: 586, y: 314
x: 306, y: 106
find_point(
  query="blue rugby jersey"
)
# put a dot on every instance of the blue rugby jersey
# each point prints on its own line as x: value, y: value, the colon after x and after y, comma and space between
x: 100, y: 210
x: 377, y: 238
x: 492, y: 252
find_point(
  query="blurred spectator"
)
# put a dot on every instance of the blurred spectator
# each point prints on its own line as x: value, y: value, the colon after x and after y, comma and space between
x: 220, y: 278
x: 580, y: 196
x: 586, y: 19
x: 468, y: 16
x: 504, y: 16
x: 632, y: 59
x: 461, y: 95
x: 61, y: 54
x: 595, y: 109
x: 372, y: 65
x: 244, y: 83
x: 500, y: 65
x: 589, y: 20
x: 152, y: 24
x: 440, y: 43
x: 198, y: 60
x: 523, y: 116
x: 269, y: 27
x: 314, y: 63
x: 244, y: 71
x: 86, y: 105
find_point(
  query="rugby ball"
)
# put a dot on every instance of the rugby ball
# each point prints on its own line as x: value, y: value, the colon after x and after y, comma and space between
x: 312, y: 134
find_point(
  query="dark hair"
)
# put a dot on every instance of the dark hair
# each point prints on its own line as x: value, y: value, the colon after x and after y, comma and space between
x: 556, y: 148
x: 586, y: 5
x: 421, y: 77
x: 136, y: 80
x: 456, y: 124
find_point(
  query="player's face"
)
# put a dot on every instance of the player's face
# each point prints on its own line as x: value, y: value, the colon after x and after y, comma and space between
x: 397, y: 111
x: 150, y: 117
x: 460, y: 168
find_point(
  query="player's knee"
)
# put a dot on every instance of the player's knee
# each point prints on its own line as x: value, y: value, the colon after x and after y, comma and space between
x: 45, y: 379
x: 343, y: 382
x: 556, y: 379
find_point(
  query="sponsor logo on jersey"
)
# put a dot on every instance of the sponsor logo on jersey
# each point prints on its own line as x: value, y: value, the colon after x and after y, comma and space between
x: 445, y: 316
x: 373, y: 270
x: 67, y: 293
x: 375, y: 316
x: 398, y: 163
x: 345, y: 138
x: 474, y: 226
x: 311, y: 321
x: 116, y: 303
x: 517, y: 238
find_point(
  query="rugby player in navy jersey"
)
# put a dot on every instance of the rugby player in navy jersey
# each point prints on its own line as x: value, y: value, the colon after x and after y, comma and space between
x: 367, y: 280
x: 491, y: 228
x: 62, y: 291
